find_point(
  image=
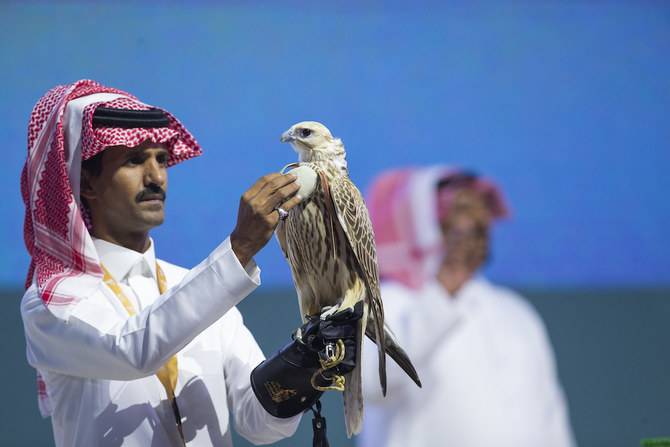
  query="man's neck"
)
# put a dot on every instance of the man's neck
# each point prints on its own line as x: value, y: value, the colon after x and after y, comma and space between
x: 452, y: 277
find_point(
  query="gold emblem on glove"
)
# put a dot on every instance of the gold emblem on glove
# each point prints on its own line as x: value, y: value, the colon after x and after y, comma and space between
x: 277, y: 393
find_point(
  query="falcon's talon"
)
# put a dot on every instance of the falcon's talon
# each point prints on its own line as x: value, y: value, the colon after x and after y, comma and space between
x: 329, y: 311
x: 297, y: 335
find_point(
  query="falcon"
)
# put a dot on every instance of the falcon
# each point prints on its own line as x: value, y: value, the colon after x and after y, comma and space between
x: 329, y: 243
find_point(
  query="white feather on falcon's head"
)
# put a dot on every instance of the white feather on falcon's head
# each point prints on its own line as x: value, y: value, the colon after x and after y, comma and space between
x: 314, y: 143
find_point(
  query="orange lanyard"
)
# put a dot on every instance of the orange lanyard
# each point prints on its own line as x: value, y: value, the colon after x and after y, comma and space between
x: 168, y: 372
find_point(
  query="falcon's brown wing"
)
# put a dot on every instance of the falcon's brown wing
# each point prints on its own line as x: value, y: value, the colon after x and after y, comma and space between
x: 352, y: 215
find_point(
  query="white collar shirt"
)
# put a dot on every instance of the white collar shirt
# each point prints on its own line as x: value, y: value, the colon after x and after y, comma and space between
x: 135, y: 272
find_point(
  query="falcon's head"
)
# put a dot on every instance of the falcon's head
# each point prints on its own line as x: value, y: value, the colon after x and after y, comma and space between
x: 313, y: 142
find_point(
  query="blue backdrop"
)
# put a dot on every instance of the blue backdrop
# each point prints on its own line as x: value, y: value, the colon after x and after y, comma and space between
x: 566, y: 104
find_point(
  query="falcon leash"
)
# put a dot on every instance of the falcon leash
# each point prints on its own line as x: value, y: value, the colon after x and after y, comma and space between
x: 319, y: 427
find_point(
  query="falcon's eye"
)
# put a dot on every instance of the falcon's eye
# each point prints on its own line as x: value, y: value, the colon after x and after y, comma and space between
x: 305, y: 133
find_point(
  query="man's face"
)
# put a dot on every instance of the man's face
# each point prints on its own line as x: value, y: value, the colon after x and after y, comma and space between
x: 466, y: 231
x: 127, y: 199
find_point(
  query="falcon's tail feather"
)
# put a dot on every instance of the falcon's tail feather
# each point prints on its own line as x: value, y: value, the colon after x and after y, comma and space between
x: 397, y: 353
x: 376, y: 332
x: 352, y: 396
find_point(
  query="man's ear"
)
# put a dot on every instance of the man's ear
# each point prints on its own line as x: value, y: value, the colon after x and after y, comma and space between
x: 85, y: 187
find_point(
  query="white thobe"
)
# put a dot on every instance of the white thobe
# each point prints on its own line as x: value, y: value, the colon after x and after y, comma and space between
x: 487, y: 368
x: 99, y: 366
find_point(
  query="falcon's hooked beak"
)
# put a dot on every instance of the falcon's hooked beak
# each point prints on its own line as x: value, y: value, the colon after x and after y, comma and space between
x: 288, y: 136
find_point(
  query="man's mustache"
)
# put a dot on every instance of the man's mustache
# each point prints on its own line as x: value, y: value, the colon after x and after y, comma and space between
x: 151, y: 192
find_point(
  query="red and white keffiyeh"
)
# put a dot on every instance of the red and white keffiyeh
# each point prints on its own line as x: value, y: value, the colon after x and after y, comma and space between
x: 64, y: 263
x: 406, y: 208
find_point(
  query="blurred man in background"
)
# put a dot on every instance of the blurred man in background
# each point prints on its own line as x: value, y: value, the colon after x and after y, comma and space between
x: 482, y: 352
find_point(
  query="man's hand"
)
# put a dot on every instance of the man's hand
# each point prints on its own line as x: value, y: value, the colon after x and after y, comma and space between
x: 257, y: 217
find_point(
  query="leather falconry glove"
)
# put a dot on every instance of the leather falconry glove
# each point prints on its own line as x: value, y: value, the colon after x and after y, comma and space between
x: 322, y: 351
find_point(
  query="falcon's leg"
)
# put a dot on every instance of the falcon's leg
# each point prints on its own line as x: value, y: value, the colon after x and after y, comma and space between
x: 306, y: 300
x: 353, y: 294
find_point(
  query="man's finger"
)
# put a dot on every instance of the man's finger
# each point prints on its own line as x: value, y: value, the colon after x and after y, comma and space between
x: 291, y: 203
x: 278, y: 183
x: 277, y: 191
x: 261, y: 183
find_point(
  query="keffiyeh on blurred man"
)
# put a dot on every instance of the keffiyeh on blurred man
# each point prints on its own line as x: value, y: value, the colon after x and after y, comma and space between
x: 130, y: 349
x: 482, y: 352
